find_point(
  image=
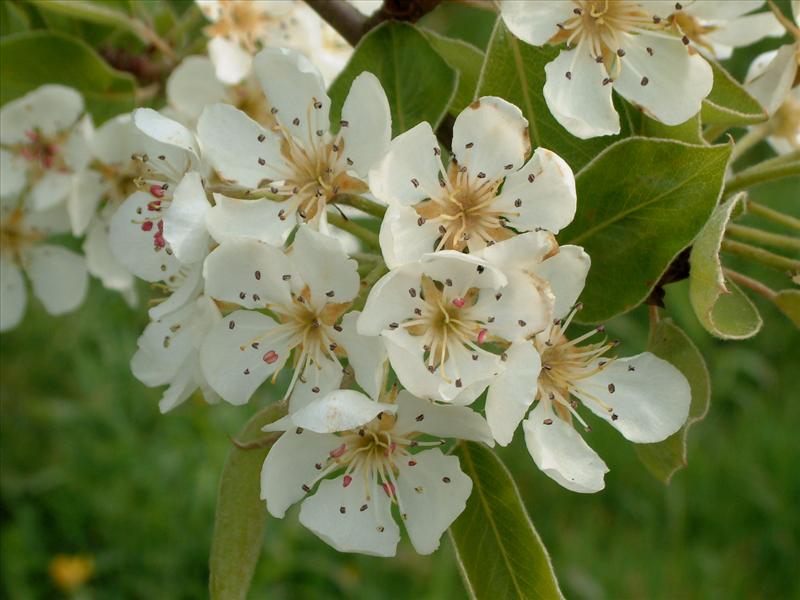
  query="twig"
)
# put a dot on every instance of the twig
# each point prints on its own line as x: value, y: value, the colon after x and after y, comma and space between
x: 342, y: 16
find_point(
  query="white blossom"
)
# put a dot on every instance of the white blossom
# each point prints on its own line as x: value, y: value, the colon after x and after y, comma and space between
x: 380, y: 454
x: 487, y: 194
x: 43, y: 144
x: 57, y: 275
x: 438, y: 316
x: 622, y: 45
x: 298, y: 162
x: 307, y: 291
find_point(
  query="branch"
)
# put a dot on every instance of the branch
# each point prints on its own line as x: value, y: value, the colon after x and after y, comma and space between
x: 342, y: 16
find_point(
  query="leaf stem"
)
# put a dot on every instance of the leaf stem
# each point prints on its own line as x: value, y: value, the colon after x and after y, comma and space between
x: 750, y: 283
x: 361, y: 232
x: 712, y: 132
x: 752, y: 234
x: 759, y: 255
x: 362, y: 204
x: 750, y: 139
x: 773, y: 215
x: 770, y: 170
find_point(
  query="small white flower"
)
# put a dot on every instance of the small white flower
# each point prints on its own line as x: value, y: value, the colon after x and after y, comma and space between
x: 487, y: 190
x: 169, y: 348
x: 298, y: 161
x: 58, y: 276
x: 644, y: 397
x: 437, y: 316
x: 379, y: 454
x: 162, y: 226
x: 307, y: 290
x: 617, y: 44
x: 43, y: 144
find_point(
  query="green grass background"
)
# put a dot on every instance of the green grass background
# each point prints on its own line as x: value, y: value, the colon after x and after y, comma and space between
x: 89, y: 466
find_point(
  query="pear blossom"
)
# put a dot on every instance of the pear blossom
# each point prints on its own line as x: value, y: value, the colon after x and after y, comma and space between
x: 298, y: 162
x: 487, y: 194
x: 57, y: 275
x: 644, y: 397
x: 161, y: 226
x: 43, y: 144
x: 438, y: 317
x: 169, y: 348
x: 621, y: 45
x: 240, y: 28
x: 306, y: 290
x: 380, y: 456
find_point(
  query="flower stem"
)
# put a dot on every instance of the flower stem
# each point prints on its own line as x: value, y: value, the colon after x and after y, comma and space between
x: 786, y: 22
x: 362, y: 204
x: 773, y: 215
x: 361, y: 232
x: 751, y: 234
x: 750, y: 283
x: 369, y: 280
x: 770, y: 170
x: 759, y: 255
x: 750, y: 139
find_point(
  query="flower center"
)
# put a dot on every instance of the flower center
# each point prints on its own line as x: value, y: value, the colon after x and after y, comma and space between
x: 566, y: 365
x: 15, y: 236
x: 42, y: 153
x: 787, y: 121
x: 690, y: 27
x: 242, y: 21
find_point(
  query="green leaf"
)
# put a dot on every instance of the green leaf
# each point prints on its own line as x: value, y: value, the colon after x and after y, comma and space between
x: 729, y: 103
x: 721, y: 307
x: 499, y: 551
x: 12, y: 19
x: 418, y: 82
x: 466, y: 59
x: 240, y: 516
x: 640, y: 203
x: 689, y: 131
x: 789, y: 303
x: 514, y: 70
x: 669, y: 342
x: 38, y: 57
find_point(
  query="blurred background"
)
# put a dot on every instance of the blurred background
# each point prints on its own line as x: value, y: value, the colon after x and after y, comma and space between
x: 103, y: 497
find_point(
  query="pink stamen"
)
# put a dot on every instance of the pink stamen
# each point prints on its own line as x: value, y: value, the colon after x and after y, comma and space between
x: 32, y: 135
x: 154, y: 205
x: 458, y: 302
x: 482, y: 335
x: 147, y: 226
x: 338, y: 452
x: 388, y: 487
x: 391, y: 448
x: 157, y: 191
x: 158, y: 240
x: 47, y: 161
x: 347, y: 480
x: 411, y: 463
x: 160, y: 224
x: 270, y: 357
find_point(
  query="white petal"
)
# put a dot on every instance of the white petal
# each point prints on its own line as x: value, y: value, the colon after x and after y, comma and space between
x: 51, y: 190
x: 49, y: 109
x: 409, y: 172
x: 548, y: 200
x: 339, y: 410
x: 185, y: 220
x: 58, y: 277
x: 366, y: 355
x: 390, y: 300
x: 100, y: 260
x: 324, y: 267
x: 290, y: 464
x: 232, y: 62
x: 163, y: 348
x: 403, y: 239
x: 717, y: 10
x: 134, y: 247
x: 535, y: 22
x: 180, y: 389
x: 746, y: 30
x: 489, y: 135
x: 649, y: 402
x: 369, y: 123
x: 432, y: 493
x: 248, y: 273
x: 89, y: 188
x: 193, y: 85
x: 258, y: 219
x: 293, y: 85
x: 581, y: 103
x: 164, y: 130
x: 770, y: 83
x: 187, y: 286
x: 12, y: 295
x: 518, y: 311
x: 368, y: 531
x: 675, y: 79
x: 561, y: 453
x: 116, y: 139
x: 234, y: 359
x: 523, y: 252
x: 317, y: 381
x: 464, y: 271
x: 76, y: 150
x: 440, y: 420
x: 566, y: 273
x: 230, y: 141
x: 512, y: 393
x: 48, y: 222
x: 14, y: 174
